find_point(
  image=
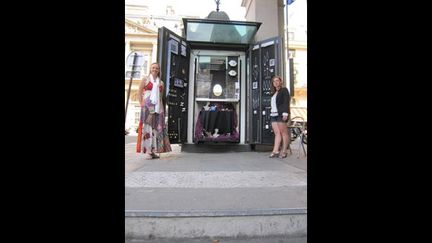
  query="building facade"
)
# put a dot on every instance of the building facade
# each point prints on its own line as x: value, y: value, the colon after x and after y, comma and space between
x: 285, y: 18
x: 144, y: 40
x: 141, y: 26
x: 296, y: 32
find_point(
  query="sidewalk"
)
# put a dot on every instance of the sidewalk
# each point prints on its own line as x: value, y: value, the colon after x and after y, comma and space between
x: 269, y: 191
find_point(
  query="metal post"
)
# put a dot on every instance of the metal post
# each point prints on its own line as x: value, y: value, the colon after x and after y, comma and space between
x: 130, y: 82
x: 179, y: 129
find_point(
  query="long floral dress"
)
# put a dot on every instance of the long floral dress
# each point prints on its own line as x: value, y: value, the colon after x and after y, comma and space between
x: 152, y: 132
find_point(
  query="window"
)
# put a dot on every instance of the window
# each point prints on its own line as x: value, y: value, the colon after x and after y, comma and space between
x: 217, y: 31
x: 295, y: 72
x: 291, y: 53
x: 145, y: 67
x: 143, y: 63
x: 290, y: 35
x: 217, y: 78
x: 137, y: 115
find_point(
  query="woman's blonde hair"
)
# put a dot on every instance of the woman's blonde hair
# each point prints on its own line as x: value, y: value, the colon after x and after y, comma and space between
x: 158, y: 66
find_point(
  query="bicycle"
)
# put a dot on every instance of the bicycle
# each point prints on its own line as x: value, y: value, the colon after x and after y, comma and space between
x: 296, y: 131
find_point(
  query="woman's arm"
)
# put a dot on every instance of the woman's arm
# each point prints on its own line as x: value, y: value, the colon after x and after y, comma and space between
x: 161, y: 87
x: 286, y: 104
x: 162, y: 93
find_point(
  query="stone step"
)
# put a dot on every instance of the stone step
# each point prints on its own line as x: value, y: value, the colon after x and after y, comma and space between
x: 236, y: 224
x: 188, y: 199
x: 218, y: 204
x: 233, y: 196
x: 264, y: 239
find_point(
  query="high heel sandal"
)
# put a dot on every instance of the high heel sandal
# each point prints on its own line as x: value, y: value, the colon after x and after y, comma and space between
x: 283, y: 155
x: 154, y: 156
x: 273, y: 155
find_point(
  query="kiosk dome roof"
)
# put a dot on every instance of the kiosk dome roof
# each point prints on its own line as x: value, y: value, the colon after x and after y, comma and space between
x: 218, y: 15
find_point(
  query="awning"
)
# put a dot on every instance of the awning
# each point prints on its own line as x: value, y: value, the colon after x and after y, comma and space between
x: 299, y: 112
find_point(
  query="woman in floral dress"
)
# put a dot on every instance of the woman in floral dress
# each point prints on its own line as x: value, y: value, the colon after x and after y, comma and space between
x: 152, y: 133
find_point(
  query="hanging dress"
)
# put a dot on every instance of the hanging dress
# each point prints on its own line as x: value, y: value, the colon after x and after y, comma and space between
x: 152, y: 132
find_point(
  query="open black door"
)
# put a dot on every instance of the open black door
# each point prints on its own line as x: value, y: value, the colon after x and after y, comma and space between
x: 265, y: 62
x: 173, y: 55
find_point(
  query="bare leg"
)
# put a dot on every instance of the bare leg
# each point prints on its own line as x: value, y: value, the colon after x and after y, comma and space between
x: 278, y: 137
x: 285, y: 138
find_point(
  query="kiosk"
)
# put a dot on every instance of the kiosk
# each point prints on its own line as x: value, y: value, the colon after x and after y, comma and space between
x: 218, y: 81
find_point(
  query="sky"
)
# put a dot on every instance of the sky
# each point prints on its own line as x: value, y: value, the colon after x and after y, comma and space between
x: 200, y: 8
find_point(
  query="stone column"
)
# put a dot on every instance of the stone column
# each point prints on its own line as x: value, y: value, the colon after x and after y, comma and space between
x: 127, y: 49
x: 154, y: 53
x: 270, y: 14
